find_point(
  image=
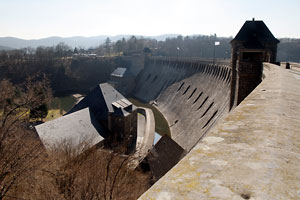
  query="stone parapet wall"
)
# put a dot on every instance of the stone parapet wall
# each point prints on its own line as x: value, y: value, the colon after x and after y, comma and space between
x: 295, y: 66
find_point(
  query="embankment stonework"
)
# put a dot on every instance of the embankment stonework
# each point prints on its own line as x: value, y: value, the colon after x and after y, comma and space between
x: 192, y: 95
x: 253, y: 153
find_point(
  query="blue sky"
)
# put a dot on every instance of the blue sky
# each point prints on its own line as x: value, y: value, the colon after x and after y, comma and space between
x: 33, y: 19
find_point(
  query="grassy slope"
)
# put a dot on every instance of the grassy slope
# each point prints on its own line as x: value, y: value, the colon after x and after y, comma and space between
x: 59, y: 106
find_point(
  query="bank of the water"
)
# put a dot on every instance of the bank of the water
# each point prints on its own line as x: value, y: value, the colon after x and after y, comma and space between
x: 161, y: 124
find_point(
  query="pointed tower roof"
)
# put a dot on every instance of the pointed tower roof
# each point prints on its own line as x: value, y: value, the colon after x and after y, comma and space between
x: 254, y: 34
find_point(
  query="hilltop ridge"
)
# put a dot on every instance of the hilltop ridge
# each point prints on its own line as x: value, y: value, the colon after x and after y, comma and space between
x: 86, y: 42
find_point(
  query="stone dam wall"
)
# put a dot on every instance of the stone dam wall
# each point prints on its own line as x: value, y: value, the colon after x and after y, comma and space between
x: 252, y: 153
x: 191, y: 94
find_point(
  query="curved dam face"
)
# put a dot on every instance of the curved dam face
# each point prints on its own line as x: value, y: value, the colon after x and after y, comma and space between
x: 192, y: 95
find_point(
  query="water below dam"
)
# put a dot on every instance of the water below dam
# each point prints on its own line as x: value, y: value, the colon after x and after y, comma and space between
x: 161, y: 124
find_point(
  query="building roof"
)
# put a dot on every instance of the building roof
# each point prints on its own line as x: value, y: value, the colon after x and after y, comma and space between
x: 83, y: 121
x: 77, y: 127
x: 119, y: 72
x: 255, y: 33
x: 102, y: 100
x: 164, y: 155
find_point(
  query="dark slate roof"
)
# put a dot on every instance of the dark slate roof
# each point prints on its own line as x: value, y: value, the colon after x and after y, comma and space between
x: 120, y: 72
x: 255, y: 33
x: 101, y: 99
x: 163, y: 156
x: 80, y: 126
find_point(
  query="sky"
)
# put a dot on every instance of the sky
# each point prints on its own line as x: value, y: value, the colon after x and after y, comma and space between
x: 35, y: 19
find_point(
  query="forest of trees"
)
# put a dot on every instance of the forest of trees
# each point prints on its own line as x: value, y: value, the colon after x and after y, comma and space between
x: 67, y: 75
x: 288, y: 50
x: 188, y: 46
x: 193, y: 46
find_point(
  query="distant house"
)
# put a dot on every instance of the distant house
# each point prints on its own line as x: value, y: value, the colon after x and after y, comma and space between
x: 122, y: 80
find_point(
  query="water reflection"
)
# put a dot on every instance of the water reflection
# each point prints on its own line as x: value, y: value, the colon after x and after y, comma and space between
x: 157, y: 137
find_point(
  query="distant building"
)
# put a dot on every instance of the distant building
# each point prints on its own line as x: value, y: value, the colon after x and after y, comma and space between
x: 122, y: 80
x: 253, y: 45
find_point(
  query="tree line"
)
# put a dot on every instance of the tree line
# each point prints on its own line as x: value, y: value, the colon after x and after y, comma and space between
x: 41, y: 52
x: 189, y: 46
x: 288, y: 50
x: 67, y: 75
x: 186, y: 46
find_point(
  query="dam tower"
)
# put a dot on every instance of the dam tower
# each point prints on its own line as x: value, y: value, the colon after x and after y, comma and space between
x: 253, y: 45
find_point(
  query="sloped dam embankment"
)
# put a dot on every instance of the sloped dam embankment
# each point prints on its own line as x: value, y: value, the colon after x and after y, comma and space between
x: 192, y: 95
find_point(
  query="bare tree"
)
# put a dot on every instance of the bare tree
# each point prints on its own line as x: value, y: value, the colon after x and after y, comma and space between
x: 107, y: 46
x: 95, y: 174
x: 20, y: 150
